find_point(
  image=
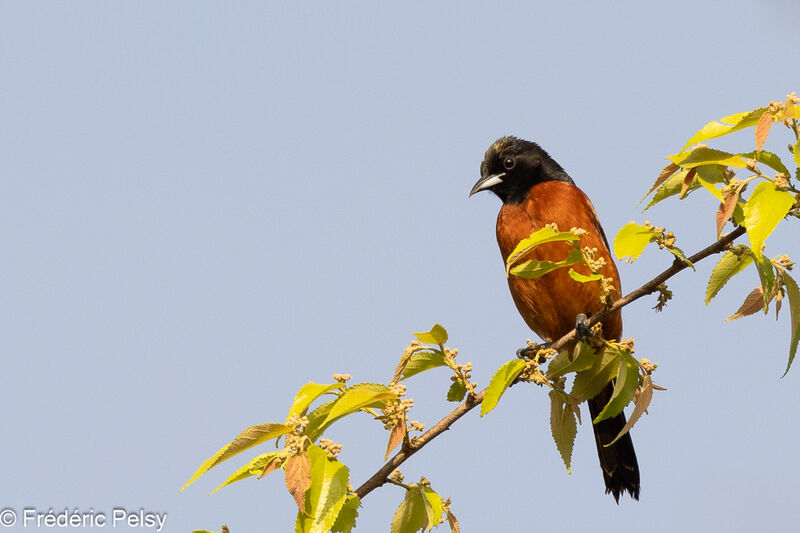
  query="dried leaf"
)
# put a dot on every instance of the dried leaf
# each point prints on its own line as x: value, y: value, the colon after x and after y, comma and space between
x: 271, y: 466
x: 298, y: 478
x: 726, y: 209
x: 762, y: 129
x: 396, y: 436
x: 752, y: 304
x: 451, y: 519
x: 687, y: 181
x: 665, y: 173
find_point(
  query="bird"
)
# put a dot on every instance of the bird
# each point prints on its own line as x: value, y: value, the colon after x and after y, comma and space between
x: 536, y: 191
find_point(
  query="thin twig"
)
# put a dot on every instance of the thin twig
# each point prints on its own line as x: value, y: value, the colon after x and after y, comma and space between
x: 380, y: 477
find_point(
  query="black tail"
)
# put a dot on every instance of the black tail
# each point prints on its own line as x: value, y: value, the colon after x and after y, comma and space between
x: 620, y: 469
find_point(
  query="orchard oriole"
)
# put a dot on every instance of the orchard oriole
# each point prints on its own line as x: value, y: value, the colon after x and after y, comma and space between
x: 536, y: 191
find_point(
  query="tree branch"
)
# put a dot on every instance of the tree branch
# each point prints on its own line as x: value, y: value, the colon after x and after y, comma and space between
x: 379, y: 478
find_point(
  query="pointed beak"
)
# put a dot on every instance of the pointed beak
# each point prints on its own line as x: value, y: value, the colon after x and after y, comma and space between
x: 487, y: 182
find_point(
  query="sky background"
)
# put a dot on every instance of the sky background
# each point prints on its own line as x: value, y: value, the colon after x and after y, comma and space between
x: 205, y: 205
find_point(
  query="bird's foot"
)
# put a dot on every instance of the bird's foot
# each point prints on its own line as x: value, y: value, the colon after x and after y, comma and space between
x: 582, y: 328
x: 529, y: 352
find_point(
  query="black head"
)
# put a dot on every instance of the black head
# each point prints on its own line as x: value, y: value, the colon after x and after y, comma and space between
x: 512, y: 166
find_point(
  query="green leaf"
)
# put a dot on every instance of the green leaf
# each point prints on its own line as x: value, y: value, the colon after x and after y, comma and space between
x: 316, y: 418
x: 246, y: 439
x: 588, y: 383
x: 456, y: 392
x: 730, y: 264
x: 631, y: 241
x: 794, y: 305
x: 768, y: 158
x: 412, y: 515
x: 767, y: 275
x: 796, y: 153
x: 346, y: 519
x: 435, y: 507
x: 766, y: 207
x: 577, y: 276
x: 422, y: 361
x: 307, y: 394
x: 677, y: 252
x: 707, y: 156
x: 709, y: 176
x: 709, y: 186
x: 626, y: 381
x: 358, y: 397
x: 563, y: 425
x: 534, y: 268
x: 583, y: 358
x: 327, y: 494
x: 437, y: 335
x: 499, y: 383
x: 726, y: 125
x: 254, y: 467
x: 541, y: 236
x: 671, y: 187
x: 645, y: 395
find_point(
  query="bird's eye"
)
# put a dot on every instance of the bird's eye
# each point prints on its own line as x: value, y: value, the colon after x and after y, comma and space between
x: 509, y: 163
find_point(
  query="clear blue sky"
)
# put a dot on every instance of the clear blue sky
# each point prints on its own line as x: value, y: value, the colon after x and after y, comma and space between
x: 205, y: 205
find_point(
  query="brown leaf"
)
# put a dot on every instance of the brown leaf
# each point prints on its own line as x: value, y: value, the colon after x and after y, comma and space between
x: 401, y: 366
x: 687, y: 182
x: 752, y: 304
x: 668, y: 171
x: 451, y: 519
x: 778, y: 300
x: 726, y: 208
x: 298, y: 478
x: 762, y: 129
x: 645, y: 394
x: 396, y: 436
x: 272, y: 465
